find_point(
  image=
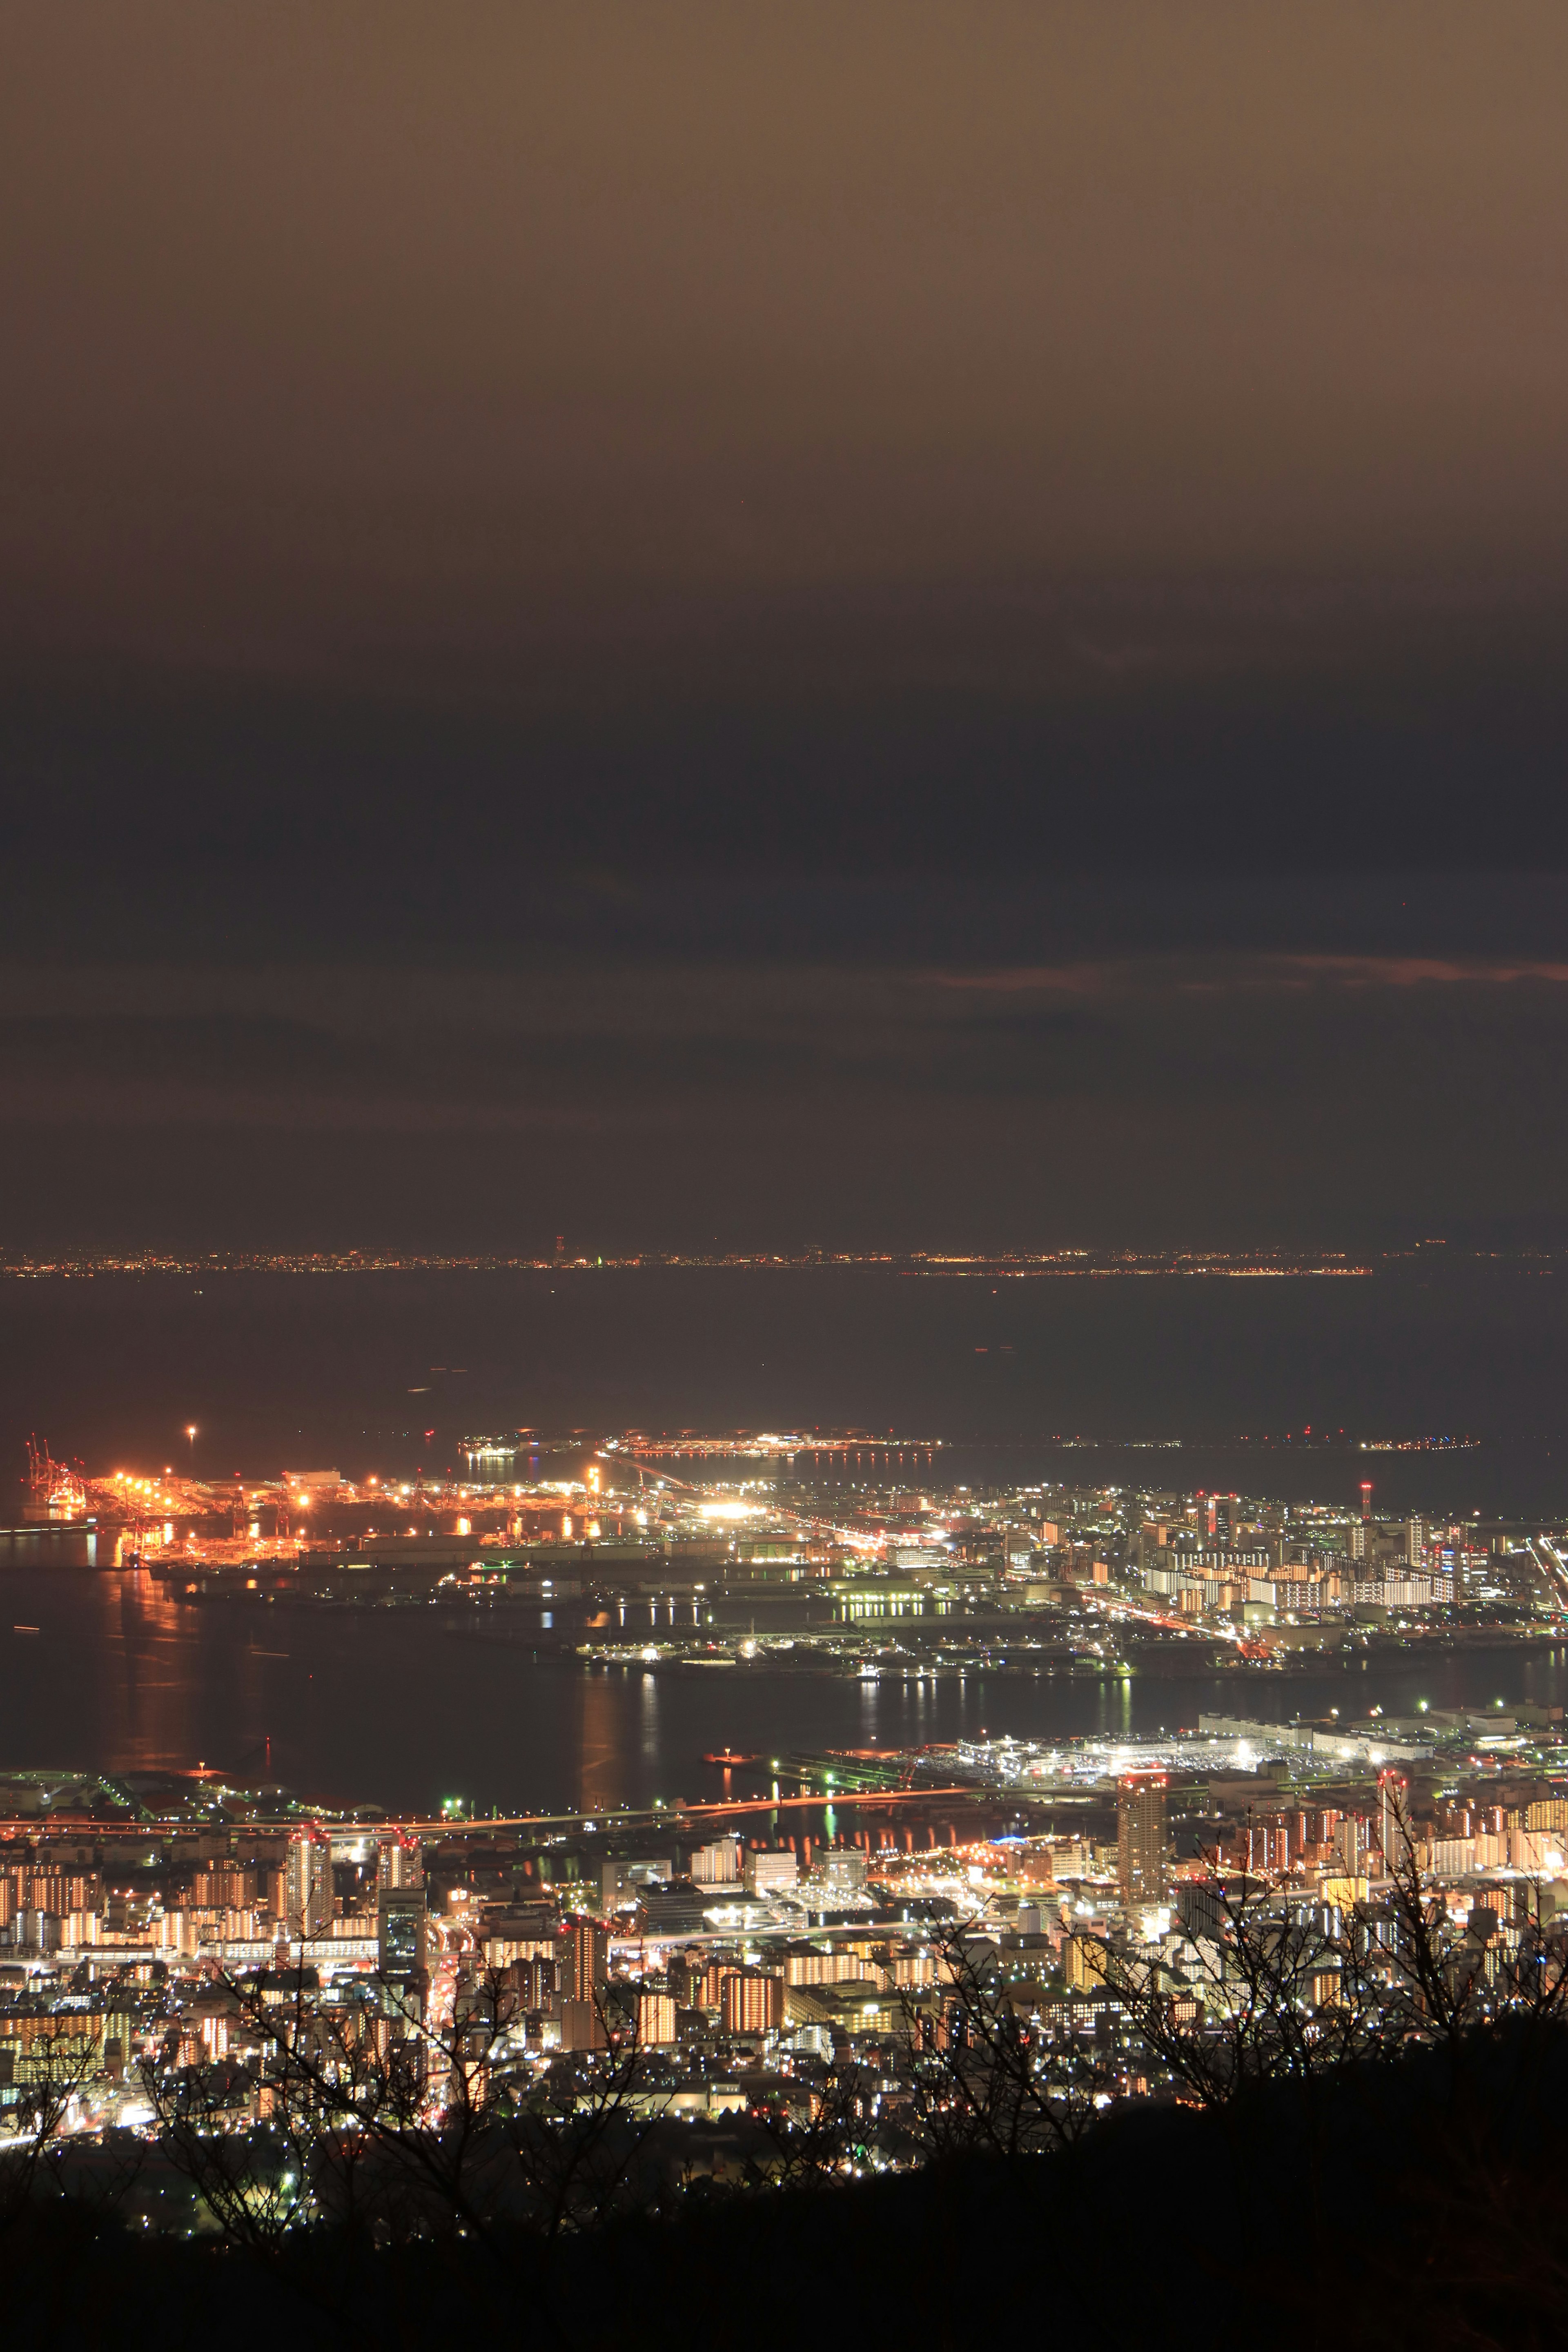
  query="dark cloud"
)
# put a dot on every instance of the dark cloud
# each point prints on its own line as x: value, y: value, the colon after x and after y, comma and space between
x: 849, y: 621
x: 1153, y: 1097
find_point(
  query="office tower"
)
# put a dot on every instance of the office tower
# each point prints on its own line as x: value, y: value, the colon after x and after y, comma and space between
x: 771, y: 1874
x: 843, y: 1872
x: 1140, y: 1838
x: 308, y: 1884
x: 1413, y: 1542
x: 402, y: 1930
x: 718, y: 1865
x: 1201, y: 1907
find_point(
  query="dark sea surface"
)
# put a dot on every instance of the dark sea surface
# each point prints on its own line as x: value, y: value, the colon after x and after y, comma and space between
x: 354, y: 1369
x: 407, y: 1708
x: 351, y: 1370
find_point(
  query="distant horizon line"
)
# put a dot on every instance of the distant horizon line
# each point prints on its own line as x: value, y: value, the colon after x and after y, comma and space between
x: 1266, y: 1262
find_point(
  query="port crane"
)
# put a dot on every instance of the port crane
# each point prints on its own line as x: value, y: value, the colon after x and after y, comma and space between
x: 56, y: 1490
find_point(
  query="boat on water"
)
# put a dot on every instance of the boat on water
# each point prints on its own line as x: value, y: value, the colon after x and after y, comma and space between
x: 731, y: 1755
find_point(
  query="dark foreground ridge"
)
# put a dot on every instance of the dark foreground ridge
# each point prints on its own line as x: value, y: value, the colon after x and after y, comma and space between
x: 1419, y: 2203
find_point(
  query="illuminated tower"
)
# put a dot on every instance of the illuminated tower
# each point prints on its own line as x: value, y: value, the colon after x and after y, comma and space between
x: 751, y: 2001
x: 585, y: 1960
x: 1392, y: 1832
x: 308, y: 1884
x: 1141, y: 1842
x: 399, y: 1861
x: 402, y: 1930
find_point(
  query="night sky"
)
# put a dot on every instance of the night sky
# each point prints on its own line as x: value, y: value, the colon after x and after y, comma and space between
x: 815, y: 625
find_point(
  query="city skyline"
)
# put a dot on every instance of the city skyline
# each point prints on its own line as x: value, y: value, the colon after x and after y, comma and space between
x: 783, y: 1265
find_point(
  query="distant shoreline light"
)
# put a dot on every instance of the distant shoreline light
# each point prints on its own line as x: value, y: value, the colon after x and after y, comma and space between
x: 944, y: 1265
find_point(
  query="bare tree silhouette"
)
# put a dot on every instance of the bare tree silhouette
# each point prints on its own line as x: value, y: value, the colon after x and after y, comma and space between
x: 989, y: 2076
x: 373, y: 2126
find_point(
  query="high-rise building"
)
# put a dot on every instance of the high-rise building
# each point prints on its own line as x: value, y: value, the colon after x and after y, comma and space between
x: 708, y: 1991
x: 308, y: 1884
x: 399, y: 1861
x: 655, y: 2019
x: 1415, y: 1535
x: 1083, y: 1962
x: 685, y: 1975
x: 1140, y: 1842
x: 771, y: 1874
x: 751, y: 2002
x: 582, y: 2026
x: 718, y: 1865
x: 1392, y: 1832
x: 533, y: 1982
x: 1202, y: 1908
x: 61, y: 1890
x: 402, y: 1931
x: 585, y: 1960
x: 222, y: 1887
